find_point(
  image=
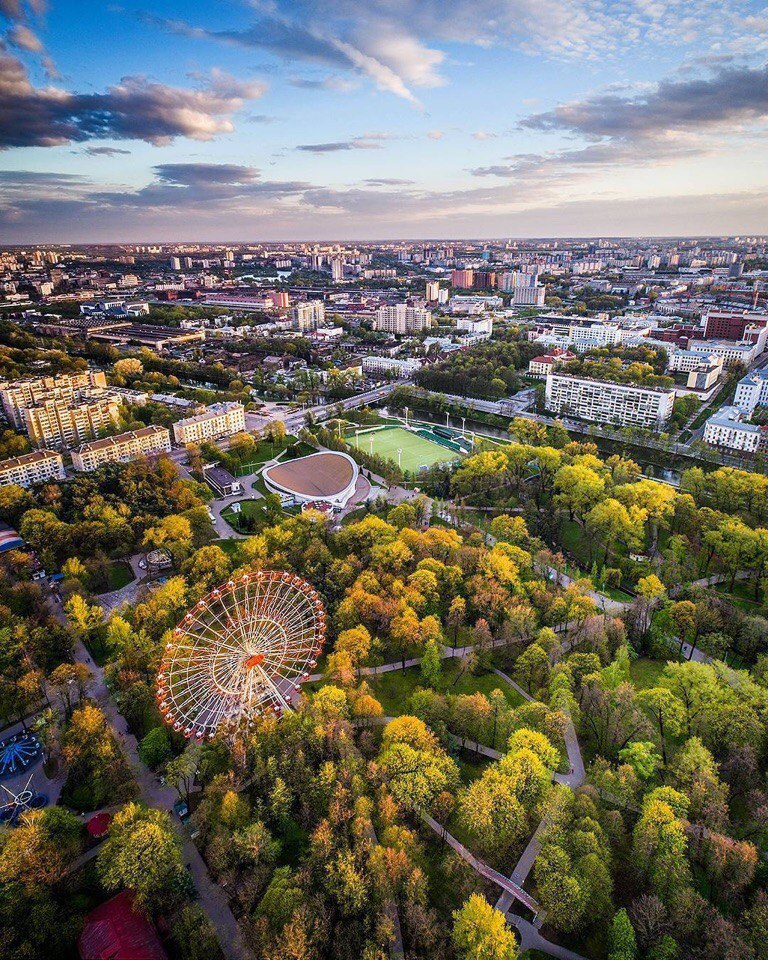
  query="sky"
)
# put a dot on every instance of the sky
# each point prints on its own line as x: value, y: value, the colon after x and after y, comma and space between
x: 247, y: 120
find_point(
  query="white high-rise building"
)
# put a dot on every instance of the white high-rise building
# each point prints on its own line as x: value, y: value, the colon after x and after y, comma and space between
x: 337, y: 269
x: 619, y: 404
x: 400, y: 318
x: 308, y: 315
x: 526, y: 296
x: 432, y: 291
x: 175, y: 263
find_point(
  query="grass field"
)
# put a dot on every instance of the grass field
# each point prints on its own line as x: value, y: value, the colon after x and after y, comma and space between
x: 417, y: 452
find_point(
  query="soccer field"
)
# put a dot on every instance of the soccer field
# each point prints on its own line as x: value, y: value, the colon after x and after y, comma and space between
x: 417, y: 452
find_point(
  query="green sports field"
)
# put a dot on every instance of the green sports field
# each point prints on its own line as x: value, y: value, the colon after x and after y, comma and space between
x: 417, y: 452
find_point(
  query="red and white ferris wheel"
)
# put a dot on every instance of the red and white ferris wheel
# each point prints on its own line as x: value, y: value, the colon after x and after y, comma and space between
x: 241, y: 652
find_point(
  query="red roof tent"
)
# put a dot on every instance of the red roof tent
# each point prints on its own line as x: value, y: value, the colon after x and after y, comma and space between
x: 115, y: 931
x: 97, y: 826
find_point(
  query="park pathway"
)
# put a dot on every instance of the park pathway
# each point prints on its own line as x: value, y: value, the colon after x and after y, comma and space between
x: 212, y: 898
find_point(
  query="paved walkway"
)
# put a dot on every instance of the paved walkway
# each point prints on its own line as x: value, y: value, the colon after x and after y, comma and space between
x: 212, y: 898
x: 479, y: 866
x: 154, y: 794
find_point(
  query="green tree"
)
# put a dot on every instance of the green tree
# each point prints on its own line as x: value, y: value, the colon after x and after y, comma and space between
x: 622, y: 943
x: 480, y: 932
x: 431, y: 664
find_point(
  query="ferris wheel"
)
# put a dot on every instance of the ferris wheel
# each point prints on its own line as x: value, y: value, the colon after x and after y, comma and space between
x: 241, y: 652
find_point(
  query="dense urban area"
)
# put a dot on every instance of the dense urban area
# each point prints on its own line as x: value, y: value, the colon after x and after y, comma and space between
x: 384, y: 600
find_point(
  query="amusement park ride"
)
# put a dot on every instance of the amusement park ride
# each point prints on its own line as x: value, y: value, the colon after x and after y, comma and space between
x: 240, y: 653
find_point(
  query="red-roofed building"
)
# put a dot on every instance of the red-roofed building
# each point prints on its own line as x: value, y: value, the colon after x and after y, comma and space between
x: 545, y: 364
x: 115, y: 931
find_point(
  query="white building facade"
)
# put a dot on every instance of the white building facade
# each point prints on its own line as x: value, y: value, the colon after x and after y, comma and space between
x: 146, y: 442
x: 617, y: 404
x: 219, y: 420
x: 32, y: 468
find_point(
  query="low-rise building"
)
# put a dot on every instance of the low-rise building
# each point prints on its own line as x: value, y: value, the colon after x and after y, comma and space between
x: 220, y: 480
x: 684, y: 361
x: 704, y: 377
x: 752, y: 391
x: 32, y: 468
x: 219, y: 420
x: 726, y: 429
x: 477, y: 327
x: 390, y: 366
x: 548, y: 362
x: 618, y: 404
x: 146, y: 442
x: 731, y: 353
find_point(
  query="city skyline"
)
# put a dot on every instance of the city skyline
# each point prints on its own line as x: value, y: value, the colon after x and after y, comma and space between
x: 288, y: 121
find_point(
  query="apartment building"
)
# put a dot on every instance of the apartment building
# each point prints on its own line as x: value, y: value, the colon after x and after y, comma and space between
x: 219, y: 420
x: 528, y: 296
x: 390, y: 366
x: 726, y: 429
x: 686, y: 361
x: 752, y: 391
x: 63, y: 425
x: 309, y: 315
x: 18, y: 394
x: 31, y: 468
x: 400, y: 318
x: 618, y: 404
x: 730, y: 352
x: 483, y: 326
x: 146, y: 442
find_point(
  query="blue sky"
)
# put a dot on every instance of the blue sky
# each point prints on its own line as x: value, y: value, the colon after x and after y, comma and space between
x: 332, y: 119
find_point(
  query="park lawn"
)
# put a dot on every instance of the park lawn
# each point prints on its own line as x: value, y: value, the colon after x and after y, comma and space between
x: 230, y: 546
x: 471, y: 766
x: 645, y: 672
x: 394, y: 689
x: 417, y: 452
x: 742, y: 596
x: 120, y: 575
x: 265, y: 450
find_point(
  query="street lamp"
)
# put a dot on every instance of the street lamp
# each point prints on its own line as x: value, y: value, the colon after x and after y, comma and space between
x: 406, y: 416
x: 447, y: 419
x: 399, y: 456
x: 357, y: 439
x: 463, y: 421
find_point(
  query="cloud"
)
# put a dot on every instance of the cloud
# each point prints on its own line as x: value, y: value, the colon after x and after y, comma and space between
x: 17, y: 11
x: 22, y: 37
x: 291, y: 40
x: 366, y: 142
x: 387, y: 182
x: 134, y: 109
x: 435, y: 134
x: 196, y: 174
x: 330, y: 82
x: 731, y: 96
x: 483, y: 135
x: 105, y: 151
x: 228, y: 202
